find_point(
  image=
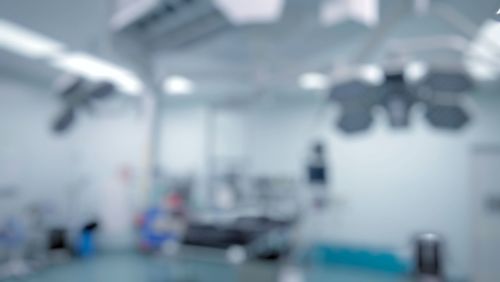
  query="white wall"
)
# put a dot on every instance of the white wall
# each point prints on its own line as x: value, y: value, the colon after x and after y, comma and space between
x: 49, y: 168
x: 182, y: 139
x: 278, y: 135
x: 182, y: 146
x: 387, y: 184
x: 194, y: 138
x: 30, y: 158
x: 230, y: 133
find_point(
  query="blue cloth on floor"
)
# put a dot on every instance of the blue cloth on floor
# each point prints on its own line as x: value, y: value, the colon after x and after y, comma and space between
x: 373, y: 259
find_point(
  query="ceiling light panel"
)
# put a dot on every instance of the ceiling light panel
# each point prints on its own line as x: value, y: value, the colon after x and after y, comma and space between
x: 251, y: 11
x: 178, y: 85
x: 27, y: 43
x: 481, y: 59
x: 363, y: 11
x: 313, y: 81
x: 96, y: 69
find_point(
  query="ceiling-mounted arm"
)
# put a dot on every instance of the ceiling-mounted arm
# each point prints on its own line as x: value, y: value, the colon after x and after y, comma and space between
x: 422, y: 44
x: 461, y: 23
x: 456, y: 19
x: 381, y: 33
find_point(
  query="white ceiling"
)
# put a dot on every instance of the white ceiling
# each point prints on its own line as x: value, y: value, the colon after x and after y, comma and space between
x: 240, y: 61
x: 79, y: 24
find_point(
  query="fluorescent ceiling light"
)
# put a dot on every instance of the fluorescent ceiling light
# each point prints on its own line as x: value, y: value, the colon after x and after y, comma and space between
x: 27, y: 43
x: 128, y: 11
x: 251, y: 11
x: 481, y: 58
x: 177, y: 85
x: 313, y: 81
x: 372, y: 74
x: 422, y: 6
x: 95, y: 69
x: 336, y: 11
x: 483, y: 72
x: 365, y: 11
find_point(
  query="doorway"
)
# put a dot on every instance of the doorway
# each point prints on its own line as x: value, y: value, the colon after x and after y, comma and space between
x: 485, y: 184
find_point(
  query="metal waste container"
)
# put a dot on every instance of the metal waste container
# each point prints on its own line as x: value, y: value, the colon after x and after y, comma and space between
x: 429, y: 249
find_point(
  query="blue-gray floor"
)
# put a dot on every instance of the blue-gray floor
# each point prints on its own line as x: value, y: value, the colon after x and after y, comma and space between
x: 137, y: 268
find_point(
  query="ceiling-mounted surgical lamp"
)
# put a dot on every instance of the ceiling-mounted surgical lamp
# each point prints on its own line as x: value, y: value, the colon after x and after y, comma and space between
x: 357, y: 99
x: 354, y: 90
x: 76, y: 94
x: 446, y: 89
x: 397, y: 99
x: 452, y: 80
x: 355, y: 118
x: 451, y: 117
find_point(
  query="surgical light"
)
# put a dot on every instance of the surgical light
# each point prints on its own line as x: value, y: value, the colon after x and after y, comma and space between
x: 452, y: 117
x: 96, y: 69
x: 77, y: 94
x: 397, y: 100
x: 441, y: 90
x: 357, y: 99
x: 355, y: 119
x: 353, y: 91
x: 372, y: 74
x: 25, y: 42
x: 64, y: 121
x: 415, y: 71
x: 450, y: 81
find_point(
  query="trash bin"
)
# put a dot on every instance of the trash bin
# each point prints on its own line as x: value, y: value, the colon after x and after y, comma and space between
x: 429, y: 255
